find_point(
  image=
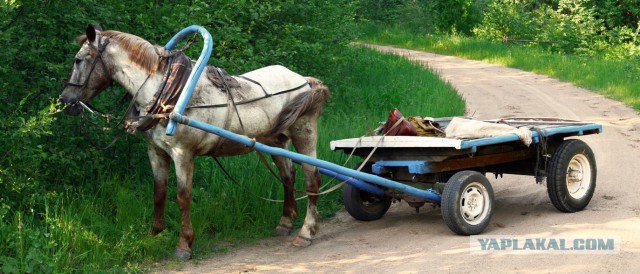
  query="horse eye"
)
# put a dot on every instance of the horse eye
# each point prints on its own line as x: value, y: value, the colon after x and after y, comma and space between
x: 78, y: 61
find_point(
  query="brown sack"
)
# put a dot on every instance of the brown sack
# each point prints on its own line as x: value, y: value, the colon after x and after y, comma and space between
x: 405, y: 128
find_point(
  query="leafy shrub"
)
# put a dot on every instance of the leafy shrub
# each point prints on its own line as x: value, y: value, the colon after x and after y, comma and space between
x: 583, y: 27
x: 44, y: 153
x: 504, y: 20
x: 423, y: 16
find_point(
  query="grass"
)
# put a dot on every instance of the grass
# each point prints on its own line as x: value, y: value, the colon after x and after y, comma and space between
x: 105, y: 227
x: 617, y: 79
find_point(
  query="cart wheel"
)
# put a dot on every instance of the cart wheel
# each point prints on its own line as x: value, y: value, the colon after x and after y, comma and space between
x: 363, y: 205
x: 571, y: 180
x: 467, y: 202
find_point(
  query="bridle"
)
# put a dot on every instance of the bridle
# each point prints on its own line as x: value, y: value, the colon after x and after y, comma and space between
x: 100, y: 49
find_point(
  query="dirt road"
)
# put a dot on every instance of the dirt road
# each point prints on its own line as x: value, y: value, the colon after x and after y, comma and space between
x: 407, y: 242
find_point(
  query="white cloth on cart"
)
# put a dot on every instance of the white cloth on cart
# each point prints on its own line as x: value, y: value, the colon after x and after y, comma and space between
x: 461, y: 128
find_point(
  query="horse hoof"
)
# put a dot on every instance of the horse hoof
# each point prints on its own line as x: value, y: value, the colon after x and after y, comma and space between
x: 283, y: 230
x: 302, y: 241
x: 182, y: 254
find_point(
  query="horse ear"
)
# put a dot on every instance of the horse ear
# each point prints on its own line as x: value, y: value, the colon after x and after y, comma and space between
x: 91, y: 33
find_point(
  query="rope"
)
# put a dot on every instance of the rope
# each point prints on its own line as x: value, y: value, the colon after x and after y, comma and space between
x: 366, y: 160
x: 224, y: 170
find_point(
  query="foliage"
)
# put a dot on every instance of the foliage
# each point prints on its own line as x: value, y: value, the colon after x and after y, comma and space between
x: 36, y: 36
x: 49, y: 167
x: 584, y: 27
x: 423, y: 16
x: 615, y: 78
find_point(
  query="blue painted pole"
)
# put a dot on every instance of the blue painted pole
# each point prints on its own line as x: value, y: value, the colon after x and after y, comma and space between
x: 366, y: 177
x: 354, y: 182
x: 183, y: 100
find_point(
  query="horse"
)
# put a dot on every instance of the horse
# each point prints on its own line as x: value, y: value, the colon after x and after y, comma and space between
x: 273, y: 105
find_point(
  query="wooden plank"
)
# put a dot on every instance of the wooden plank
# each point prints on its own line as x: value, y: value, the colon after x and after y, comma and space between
x: 481, y: 161
x: 396, y: 142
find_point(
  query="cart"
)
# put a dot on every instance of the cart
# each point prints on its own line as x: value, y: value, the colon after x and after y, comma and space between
x: 451, y: 173
x: 446, y: 172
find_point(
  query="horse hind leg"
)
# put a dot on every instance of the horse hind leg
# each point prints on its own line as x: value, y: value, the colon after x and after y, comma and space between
x: 304, y: 138
x: 290, y: 207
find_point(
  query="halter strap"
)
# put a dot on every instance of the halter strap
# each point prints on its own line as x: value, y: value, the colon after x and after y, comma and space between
x: 101, y: 48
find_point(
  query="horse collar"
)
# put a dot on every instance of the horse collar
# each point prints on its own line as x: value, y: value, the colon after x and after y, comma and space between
x: 175, y: 78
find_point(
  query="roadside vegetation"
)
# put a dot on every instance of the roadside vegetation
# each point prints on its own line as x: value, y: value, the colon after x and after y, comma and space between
x: 593, y: 44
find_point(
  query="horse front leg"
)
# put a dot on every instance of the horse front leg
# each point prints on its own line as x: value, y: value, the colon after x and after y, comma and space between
x: 184, y: 174
x: 160, y: 166
x: 290, y: 208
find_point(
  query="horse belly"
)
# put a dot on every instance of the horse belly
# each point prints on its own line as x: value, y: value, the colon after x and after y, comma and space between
x: 226, y: 147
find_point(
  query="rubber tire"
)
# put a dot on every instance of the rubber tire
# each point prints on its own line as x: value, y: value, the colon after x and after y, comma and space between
x: 451, y: 200
x: 557, y: 186
x: 362, y: 205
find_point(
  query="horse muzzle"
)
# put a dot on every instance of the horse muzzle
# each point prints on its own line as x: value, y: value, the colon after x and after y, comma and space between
x: 73, y: 109
x: 71, y: 101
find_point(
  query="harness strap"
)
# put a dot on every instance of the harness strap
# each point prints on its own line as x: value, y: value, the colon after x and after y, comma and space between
x: 266, y: 163
x: 225, y: 86
x: 250, y: 100
x: 101, y: 47
x: 266, y: 94
x: 88, y: 137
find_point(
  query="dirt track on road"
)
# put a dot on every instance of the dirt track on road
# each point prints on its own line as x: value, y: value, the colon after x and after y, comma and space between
x: 407, y: 242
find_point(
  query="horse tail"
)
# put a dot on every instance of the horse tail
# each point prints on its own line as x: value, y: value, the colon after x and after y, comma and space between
x: 304, y: 103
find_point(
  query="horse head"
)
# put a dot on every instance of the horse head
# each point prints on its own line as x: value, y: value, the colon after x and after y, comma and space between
x: 90, y: 74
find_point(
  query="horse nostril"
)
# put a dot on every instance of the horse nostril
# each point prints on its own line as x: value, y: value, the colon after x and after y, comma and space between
x: 65, y: 99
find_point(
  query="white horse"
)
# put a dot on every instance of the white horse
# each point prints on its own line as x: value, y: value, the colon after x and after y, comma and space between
x: 274, y: 106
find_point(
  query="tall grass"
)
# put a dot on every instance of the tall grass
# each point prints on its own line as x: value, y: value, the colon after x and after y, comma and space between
x: 617, y: 79
x: 106, y: 227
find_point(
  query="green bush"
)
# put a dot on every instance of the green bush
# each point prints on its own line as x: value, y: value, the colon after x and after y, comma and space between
x: 45, y: 153
x: 423, y: 16
x: 584, y: 27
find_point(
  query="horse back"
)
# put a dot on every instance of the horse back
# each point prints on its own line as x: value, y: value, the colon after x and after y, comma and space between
x: 274, y: 79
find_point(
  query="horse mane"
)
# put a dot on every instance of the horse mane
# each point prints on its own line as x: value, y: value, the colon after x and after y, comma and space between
x: 140, y: 51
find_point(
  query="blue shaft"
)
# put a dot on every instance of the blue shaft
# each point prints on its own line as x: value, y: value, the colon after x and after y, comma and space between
x: 297, y: 157
x: 195, y: 74
x: 354, y: 182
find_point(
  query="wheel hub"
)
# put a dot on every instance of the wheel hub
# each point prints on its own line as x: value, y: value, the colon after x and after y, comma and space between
x: 575, y: 175
x: 472, y: 204
x: 578, y: 176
